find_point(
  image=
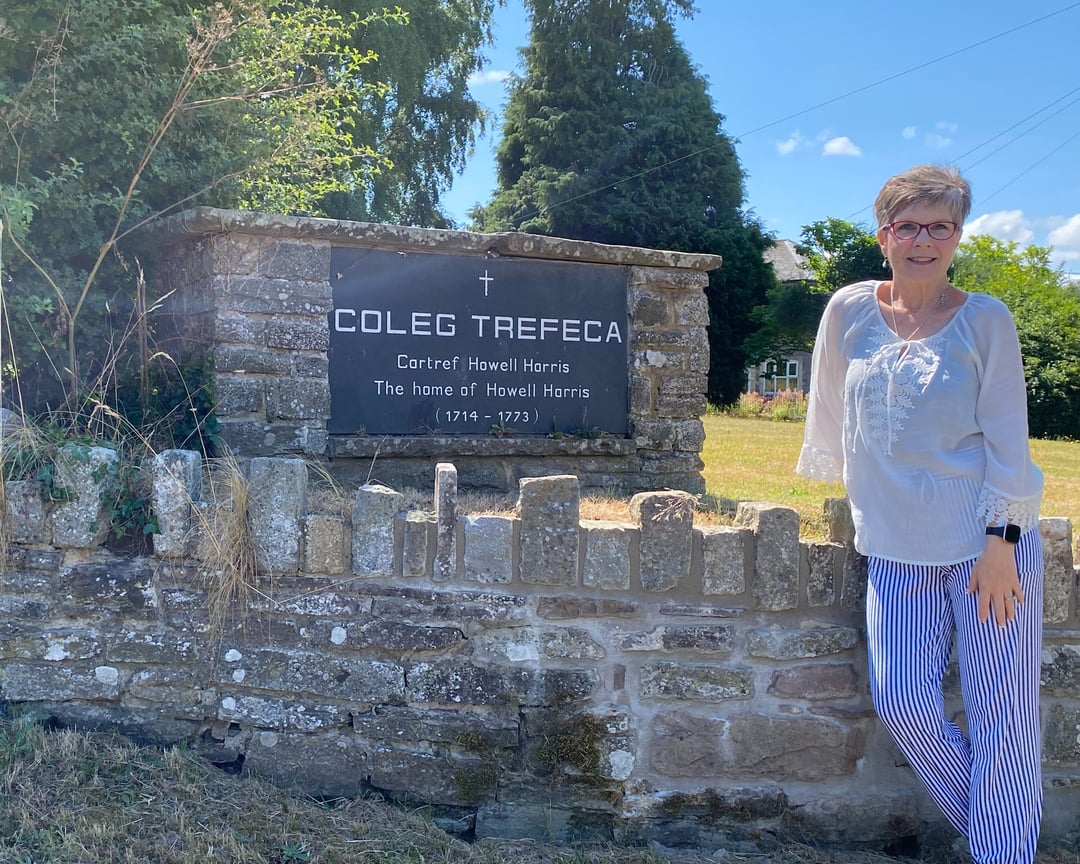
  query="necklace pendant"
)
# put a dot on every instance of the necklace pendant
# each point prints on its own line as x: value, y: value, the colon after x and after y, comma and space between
x: 930, y: 314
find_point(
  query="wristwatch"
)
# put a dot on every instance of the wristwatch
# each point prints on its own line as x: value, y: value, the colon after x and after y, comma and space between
x: 1008, y: 533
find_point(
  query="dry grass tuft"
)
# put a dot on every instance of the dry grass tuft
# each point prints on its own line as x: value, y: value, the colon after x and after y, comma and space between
x: 676, y: 508
x: 23, y: 449
x: 230, y: 569
x: 486, y: 504
x: 325, y: 493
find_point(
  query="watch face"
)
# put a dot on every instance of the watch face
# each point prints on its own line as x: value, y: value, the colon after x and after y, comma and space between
x: 1012, y: 533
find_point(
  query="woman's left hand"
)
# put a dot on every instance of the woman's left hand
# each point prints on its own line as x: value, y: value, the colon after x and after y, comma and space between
x: 995, y: 581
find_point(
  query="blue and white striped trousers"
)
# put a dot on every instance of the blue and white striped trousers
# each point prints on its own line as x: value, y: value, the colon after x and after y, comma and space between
x: 988, y: 782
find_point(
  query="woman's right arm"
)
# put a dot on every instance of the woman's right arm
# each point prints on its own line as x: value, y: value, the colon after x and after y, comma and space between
x: 822, y: 456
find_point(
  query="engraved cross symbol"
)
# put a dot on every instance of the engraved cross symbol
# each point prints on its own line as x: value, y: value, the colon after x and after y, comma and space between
x: 486, y: 280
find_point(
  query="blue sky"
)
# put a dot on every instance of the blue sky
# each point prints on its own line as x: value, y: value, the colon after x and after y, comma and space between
x: 827, y: 100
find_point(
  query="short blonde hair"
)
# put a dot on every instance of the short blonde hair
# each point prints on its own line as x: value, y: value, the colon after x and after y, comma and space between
x: 924, y: 184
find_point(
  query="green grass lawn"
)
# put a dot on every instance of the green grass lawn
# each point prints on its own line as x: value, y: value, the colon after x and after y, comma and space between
x: 749, y: 459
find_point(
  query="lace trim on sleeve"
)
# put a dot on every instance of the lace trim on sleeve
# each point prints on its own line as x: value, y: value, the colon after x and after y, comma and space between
x: 996, y: 509
x: 821, y: 465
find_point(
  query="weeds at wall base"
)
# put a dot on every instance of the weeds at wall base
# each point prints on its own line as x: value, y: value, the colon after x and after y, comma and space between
x: 68, y: 797
x: 573, y: 745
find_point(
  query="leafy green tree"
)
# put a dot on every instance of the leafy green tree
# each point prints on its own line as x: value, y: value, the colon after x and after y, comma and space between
x: 787, y: 322
x: 423, y: 120
x: 610, y: 136
x: 840, y: 253
x: 1046, y: 308
x: 112, y: 112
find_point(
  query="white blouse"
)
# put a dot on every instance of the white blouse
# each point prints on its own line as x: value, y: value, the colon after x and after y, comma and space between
x: 929, y: 436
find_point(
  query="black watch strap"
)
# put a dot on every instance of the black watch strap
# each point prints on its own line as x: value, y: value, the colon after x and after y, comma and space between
x: 1009, y: 533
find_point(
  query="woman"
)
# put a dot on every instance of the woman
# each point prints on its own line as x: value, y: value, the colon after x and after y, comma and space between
x: 918, y: 403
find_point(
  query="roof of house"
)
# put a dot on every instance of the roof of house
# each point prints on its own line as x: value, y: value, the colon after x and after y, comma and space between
x: 788, y: 264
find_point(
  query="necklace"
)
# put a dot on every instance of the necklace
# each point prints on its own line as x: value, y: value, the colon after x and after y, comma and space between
x: 933, y: 309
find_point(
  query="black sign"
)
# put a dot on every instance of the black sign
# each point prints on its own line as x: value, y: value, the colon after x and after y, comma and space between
x: 451, y: 344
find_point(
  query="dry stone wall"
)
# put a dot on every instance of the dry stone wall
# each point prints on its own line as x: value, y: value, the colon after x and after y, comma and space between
x: 532, y: 674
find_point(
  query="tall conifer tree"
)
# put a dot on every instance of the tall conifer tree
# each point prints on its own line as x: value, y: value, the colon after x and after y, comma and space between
x: 610, y: 136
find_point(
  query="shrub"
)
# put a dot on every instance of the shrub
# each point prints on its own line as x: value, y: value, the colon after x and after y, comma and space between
x: 785, y: 405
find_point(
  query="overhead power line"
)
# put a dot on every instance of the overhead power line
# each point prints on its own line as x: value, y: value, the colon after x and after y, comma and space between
x: 1031, y: 166
x: 1019, y: 123
x: 815, y: 107
x: 1015, y: 138
x: 920, y: 66
x: 1037, y: 162
x: 966, y: 168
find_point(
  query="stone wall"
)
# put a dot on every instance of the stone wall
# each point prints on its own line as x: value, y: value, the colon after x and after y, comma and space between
x: 526, y: 674
x: 249, y: 295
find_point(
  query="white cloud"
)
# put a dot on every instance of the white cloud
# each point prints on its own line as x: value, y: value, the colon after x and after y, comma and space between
x: 1069, y: 262
x: 910, y: 132
x: 841, y: 146
x: 1065, y: 239
x: 832, y: 145
x: 1067, y: 234
x: 1013, y: 226
x: 1005, y: 225
x: 489, y: 76
x: 790, y: 144
x: 941, y: 138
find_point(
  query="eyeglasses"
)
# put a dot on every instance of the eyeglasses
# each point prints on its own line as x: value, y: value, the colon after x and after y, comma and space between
x: 905, y: 230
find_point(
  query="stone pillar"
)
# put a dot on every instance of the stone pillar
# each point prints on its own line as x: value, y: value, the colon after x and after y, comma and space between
x: 839, y: 528
x: 607, y: 554
x: 414, y: 554
x: 726, y: 559
x: 489, y: 549
x: 1059, y: 580
x: 25, y: 519
x: 666, y: 522
x: 277, y: 502
x: 825, y: 572
x: 89, y: 477
x: 324, y: 544
x: 445, y: 522
x: 374, y: 511
x: 776, y: 561
x: 176, y: 476
x: 550, y: 509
